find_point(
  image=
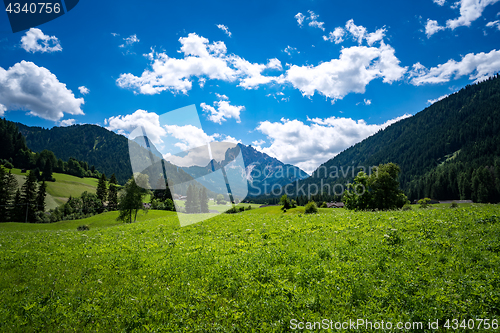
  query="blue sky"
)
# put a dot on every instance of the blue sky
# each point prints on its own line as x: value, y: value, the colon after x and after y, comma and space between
x: 299, y: 80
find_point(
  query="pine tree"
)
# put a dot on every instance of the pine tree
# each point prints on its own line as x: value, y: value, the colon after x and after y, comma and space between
x: 17, y: 211
x: 190, y: 200
x: 113, y: 193
x: 8, y: 185
x: 47, y: 171
x: 204, y: 200
x: 40, y: 197
x: 28, y: 197
x: 102, y: 191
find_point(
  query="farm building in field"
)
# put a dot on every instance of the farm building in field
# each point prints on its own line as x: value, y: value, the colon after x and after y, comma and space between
x: 180, y: 197
x: 335, y: 205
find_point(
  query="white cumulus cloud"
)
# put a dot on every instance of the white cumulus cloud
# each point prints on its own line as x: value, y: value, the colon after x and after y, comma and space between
x: 351, y: 72
x: 470, y: 11
x: 127, y: 124
x: 190, y: 136
x: 25, y: 86
x: 359, y: 33
x: 336, y: 35
x: 307, y: 145
x: 432, y: 27
x: 258, y: 142
x: 203, y: 60
x: 222, y: 110
x: 229, y: 138
x: 67, y: 122
x: 478, y: 66
x: 36, y: 41
x: 221, y: 96
x: 83, y: 90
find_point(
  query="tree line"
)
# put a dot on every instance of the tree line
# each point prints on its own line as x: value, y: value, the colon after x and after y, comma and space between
x: 27, y: 204
x: 459, y: 180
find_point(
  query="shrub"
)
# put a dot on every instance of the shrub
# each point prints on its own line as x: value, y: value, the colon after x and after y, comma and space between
x: 311, y: 208
x: 83, y: 227
x: 406, y: 207
x: 323, y: 205
x: 242, y: 209
x: 249, y: 207
x: 232, y: 210
x: 293, y: 203
x: 454, y: 205
x: 424, y: 203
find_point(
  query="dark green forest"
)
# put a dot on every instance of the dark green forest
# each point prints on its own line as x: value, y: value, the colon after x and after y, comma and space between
x: 15, y: 153
x: 107, y: 151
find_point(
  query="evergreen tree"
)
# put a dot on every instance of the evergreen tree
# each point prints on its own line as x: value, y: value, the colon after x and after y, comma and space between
x: 17, y: 211
x: 40, y: 197
x: 47, y: 171
x: 8, y: 186
x: 28, y: 197
x: 102, y: 191
x: 36, y: 173
x: 113, y: 193
x: 130, y: 202
x: 191, y: 200
x: 204, y: 200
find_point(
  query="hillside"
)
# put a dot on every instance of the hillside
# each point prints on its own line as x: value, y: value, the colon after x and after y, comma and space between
x: 65, y: 186
x: 107, y: 151
x: 462, y: 129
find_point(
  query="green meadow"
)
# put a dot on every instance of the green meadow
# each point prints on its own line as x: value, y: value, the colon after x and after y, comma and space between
x: 65, y: 186
x: 254, y: 271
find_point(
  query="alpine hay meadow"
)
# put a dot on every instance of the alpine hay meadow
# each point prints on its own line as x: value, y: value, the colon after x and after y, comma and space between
x: 255, y: 271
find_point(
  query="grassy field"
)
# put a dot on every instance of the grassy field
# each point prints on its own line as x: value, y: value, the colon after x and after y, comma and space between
x: 220, y: 208
x: 65, y: 186
x: 251, y: 272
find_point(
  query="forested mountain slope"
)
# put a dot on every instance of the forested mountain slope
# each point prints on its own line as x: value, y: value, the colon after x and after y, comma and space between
x: 97, y: 146
x: 462, y: 129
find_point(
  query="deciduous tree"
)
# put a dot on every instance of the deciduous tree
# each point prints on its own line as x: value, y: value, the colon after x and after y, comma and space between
x: 130, y: 202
